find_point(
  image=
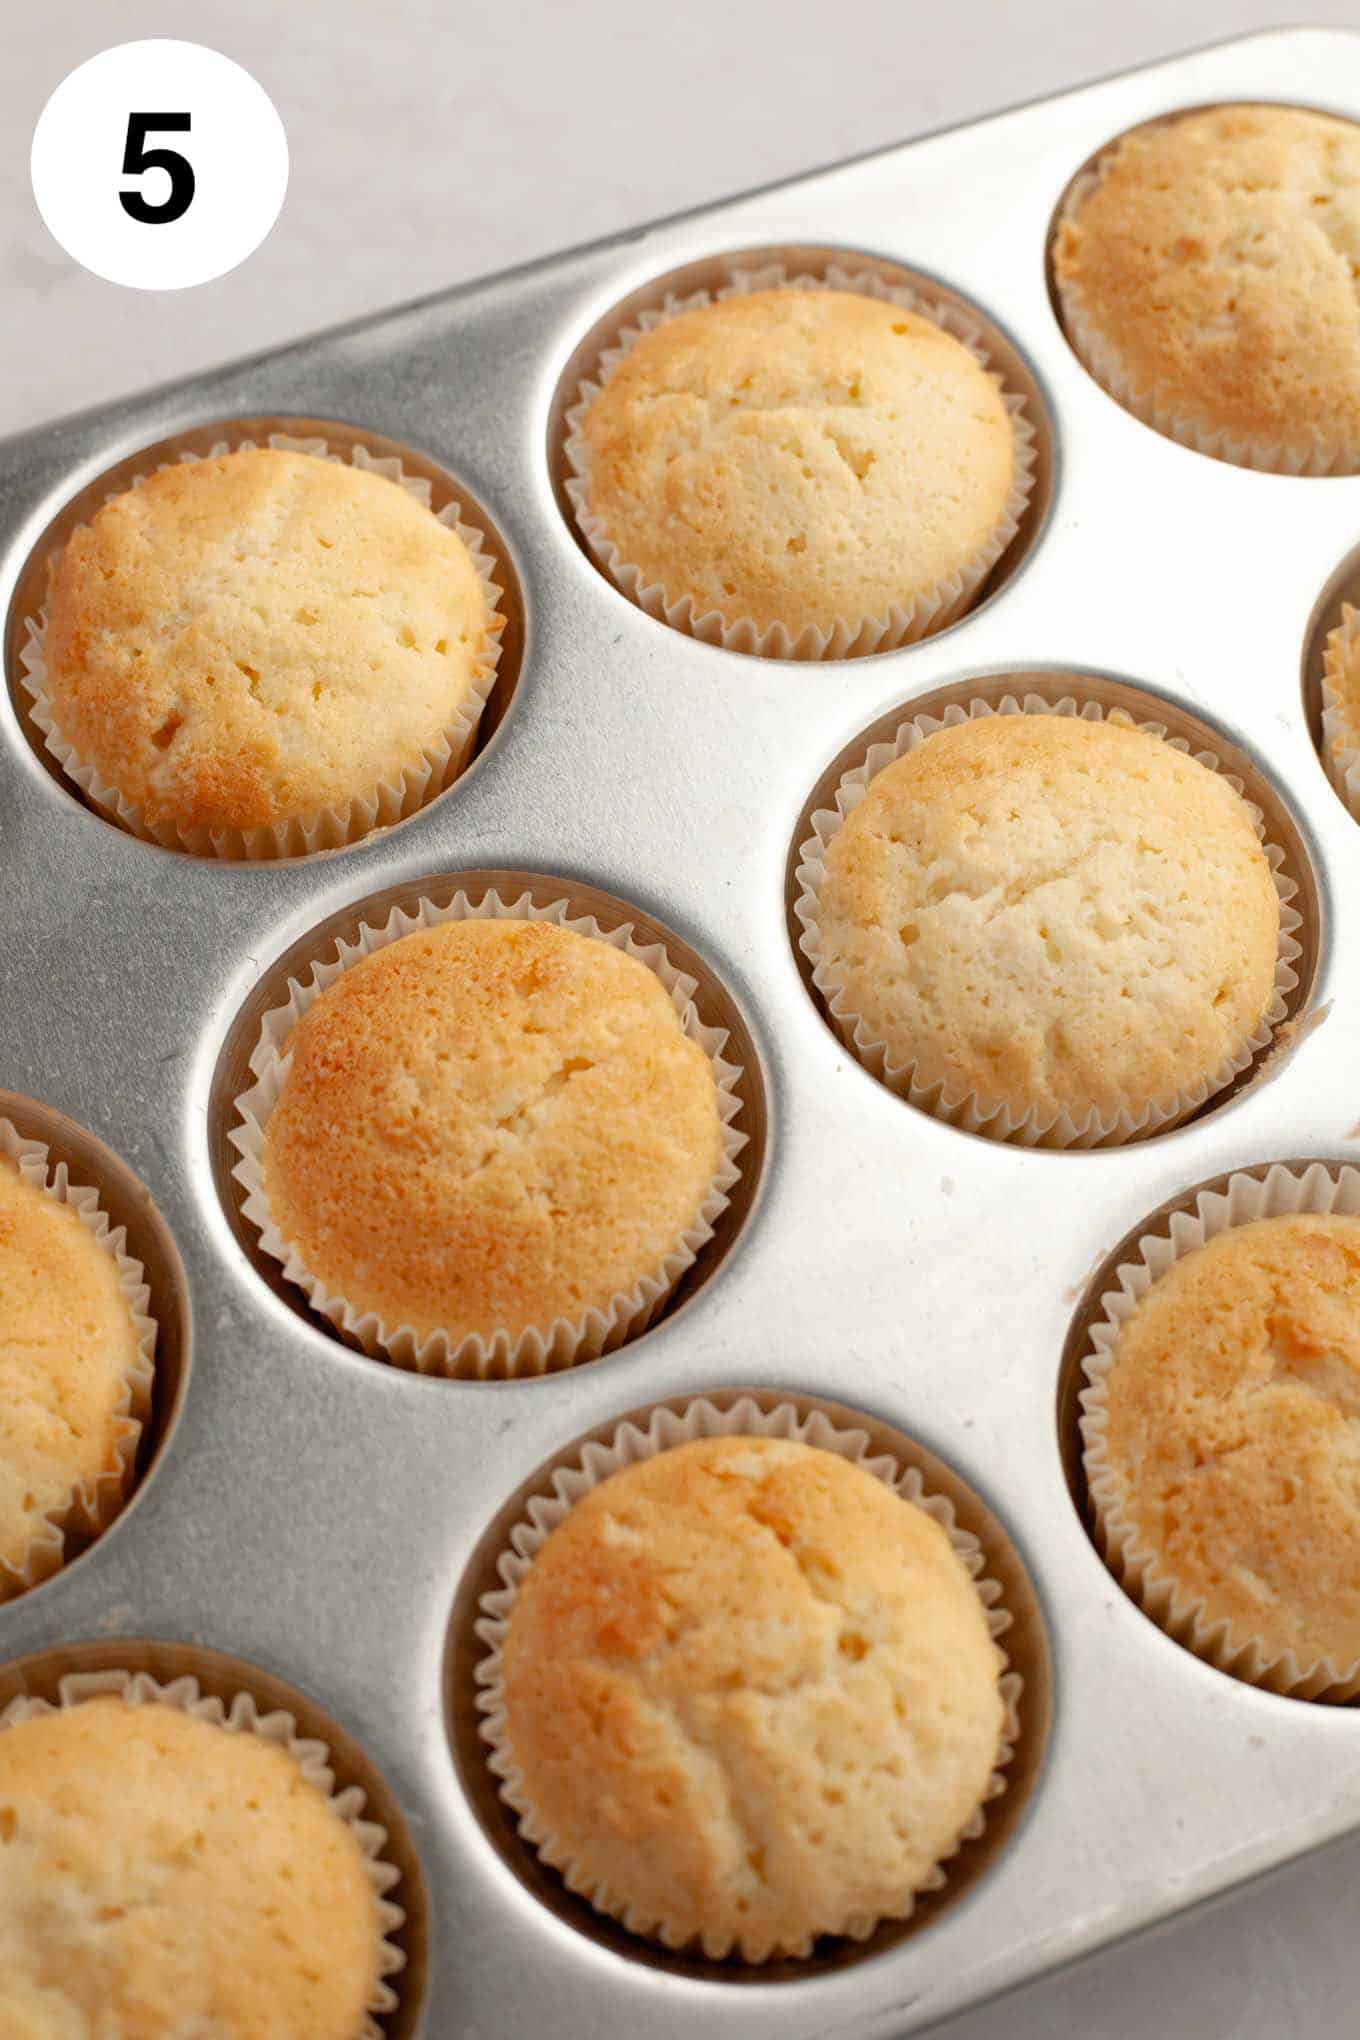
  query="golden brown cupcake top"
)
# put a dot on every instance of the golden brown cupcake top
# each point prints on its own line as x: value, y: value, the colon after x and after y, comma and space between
x: 68, y: 1349
x: 1234, y: 1432
x: 162, y: 1876
x: 751, y: 1696
x: 257, y: 637
x: 489, y: 1125
x: 1215, y: 261
x: 794, y: 456
x: 1052, y: 915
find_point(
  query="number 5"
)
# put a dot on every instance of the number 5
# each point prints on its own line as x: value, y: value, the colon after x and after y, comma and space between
x: 137, y: 158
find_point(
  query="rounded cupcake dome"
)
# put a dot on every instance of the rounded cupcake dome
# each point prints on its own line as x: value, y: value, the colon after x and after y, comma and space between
x: 797, y: 457
x: 72, y: 1361
x: 254, y: 638
x: 1224, y: 1469
x: 490, y: 1125
x: 750, y: 1697
x: 1206, y: 272
x: 161, y: 1875
x: 1050, y: 916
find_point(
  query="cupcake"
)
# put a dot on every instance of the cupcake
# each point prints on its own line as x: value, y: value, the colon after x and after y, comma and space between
x: 749, y: 1697
x: 1341, y: 707
x: 1221, y: 1448
x: 264, y: 651
x: 75, y: 1377
x: 799, y: 472
x: 491, y: 1132
x: 162, y: 1876
x: 1047, y: 927
x: 1206, y: 273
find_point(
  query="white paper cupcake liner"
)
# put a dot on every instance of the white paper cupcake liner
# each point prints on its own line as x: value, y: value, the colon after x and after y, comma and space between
x: 393, y: 799
x: 965, y: 1108
x: 665, y: 1429
x: 312, y: 1757
x: 1101, y: 359
x: 848, y: 637
x: 566, y: 1342
x: 1341, y: 708
x: 93, y: 1505
x: 1281, y: 1192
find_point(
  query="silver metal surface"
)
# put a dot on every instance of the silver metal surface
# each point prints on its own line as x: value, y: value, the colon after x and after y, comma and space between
x: 312, y: 1512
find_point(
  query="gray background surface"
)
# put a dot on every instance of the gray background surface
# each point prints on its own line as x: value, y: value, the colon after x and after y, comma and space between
x: 430, y: 144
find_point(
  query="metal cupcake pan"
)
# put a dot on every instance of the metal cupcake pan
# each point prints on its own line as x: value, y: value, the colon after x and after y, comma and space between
x: 319, y: 1521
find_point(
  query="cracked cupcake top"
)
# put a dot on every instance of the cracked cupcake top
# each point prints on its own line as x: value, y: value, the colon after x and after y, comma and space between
x: 797, y: 456
x: 1051, y: 915
x: 751, y: 1696
x: 1214, y: 265
x: 488, y: 1125
x: 256, y: 637
x: 1233, y: 1442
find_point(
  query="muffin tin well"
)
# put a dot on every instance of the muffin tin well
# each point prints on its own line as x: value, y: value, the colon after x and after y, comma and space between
x: 1341, y: 590
x: 29, y: 596
x: 127, y: 1203
x: 771, y: 264
x: 1073, y: 1377
x: 1110, y: 695
x: 1083, y: 181
x: 713, y: 1002
x: 1023, y: 1640
x: 219, y: 1676
x: 328, y: 1522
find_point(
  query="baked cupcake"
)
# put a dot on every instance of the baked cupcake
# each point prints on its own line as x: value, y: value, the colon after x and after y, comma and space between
x: 491, y: 1132
x: 799, y: 472
x: 1221, y: 1450
x: 1206, y: 272
x: 1341, y: 707
x: 750, y: 1697
x: 264, y: 651
x: 162, y: 1876
x: 1046, y: 927
x: 75, y: 1381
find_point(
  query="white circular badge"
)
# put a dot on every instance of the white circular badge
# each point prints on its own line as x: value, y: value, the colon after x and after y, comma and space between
x: 159, y: 164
